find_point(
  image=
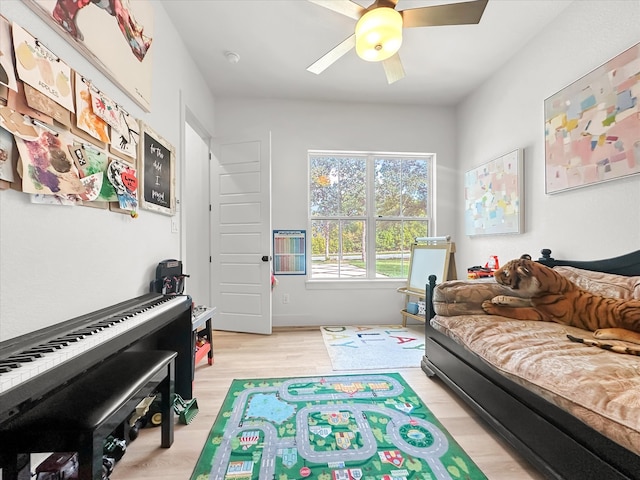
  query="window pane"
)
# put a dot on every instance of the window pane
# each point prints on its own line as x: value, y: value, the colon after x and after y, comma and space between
x: 324, y: 248
x: 415, y: 191
x: 337, y: 186
x: 388, y: 187
x: 401, y: 187
x: 393, y: 246
x: 353, y: 191
x: 338, y: 249
x: 323, y: 187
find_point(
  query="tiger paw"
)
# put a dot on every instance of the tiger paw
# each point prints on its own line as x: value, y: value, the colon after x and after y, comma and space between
x: 489, y: 307
x: 501, y: 300
x: 507, y: 301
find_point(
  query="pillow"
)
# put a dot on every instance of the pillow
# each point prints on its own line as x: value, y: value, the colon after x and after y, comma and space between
x: 465, y: 297
x: 604, y: 284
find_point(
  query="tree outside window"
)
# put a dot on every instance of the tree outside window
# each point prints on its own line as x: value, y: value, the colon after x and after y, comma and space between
x: 366, y: 210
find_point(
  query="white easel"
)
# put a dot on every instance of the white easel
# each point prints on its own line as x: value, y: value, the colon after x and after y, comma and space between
x: 429, y: 256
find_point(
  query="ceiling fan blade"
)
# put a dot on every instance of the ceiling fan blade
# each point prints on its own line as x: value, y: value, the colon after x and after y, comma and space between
x: 464, y: 13
x: 393, y: 68
x: 345, y: 7
x: 333, y: 55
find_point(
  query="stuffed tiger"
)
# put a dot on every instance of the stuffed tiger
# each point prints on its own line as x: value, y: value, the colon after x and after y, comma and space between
x: 554, y: 298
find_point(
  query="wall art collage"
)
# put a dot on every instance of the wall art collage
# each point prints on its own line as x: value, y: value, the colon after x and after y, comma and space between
x: 64, y: 141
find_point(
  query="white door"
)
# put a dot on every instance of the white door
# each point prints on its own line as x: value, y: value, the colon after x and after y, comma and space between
x: 195, y: 208
x: 241, y: 233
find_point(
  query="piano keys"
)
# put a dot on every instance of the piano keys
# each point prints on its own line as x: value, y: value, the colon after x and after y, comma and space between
x: 34, y: 365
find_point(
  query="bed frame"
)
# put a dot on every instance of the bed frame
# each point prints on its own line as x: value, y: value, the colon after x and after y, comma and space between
x: 552, y: 440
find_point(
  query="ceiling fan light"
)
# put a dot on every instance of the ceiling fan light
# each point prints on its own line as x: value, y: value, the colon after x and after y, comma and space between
x: 378, y: 34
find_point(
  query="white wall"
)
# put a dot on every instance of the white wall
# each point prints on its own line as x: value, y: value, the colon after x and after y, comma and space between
x: 60, y: 262
x: 507, y: 112
x: 299, y: 126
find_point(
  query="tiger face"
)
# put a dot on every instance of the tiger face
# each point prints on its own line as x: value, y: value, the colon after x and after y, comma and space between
x: 520, y: 274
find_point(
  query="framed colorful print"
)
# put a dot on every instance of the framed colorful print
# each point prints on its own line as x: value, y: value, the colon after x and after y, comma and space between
x: 157, y: 176
x: 493, y: 194
x: 116, y: 41
x: 592, y: 127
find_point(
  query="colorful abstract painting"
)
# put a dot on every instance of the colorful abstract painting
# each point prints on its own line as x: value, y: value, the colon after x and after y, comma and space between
x: 592, y: 127
x: 493, y: 196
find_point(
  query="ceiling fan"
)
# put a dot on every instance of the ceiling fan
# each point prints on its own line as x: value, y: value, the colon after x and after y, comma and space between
x: 378, y: 30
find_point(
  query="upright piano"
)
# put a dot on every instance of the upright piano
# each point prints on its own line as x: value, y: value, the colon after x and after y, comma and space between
x: 37, y: 364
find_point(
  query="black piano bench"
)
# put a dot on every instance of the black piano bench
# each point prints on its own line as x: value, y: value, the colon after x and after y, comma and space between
x: 80, y: 416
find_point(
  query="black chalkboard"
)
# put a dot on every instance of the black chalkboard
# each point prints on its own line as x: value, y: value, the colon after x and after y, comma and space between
x: 158, y: 179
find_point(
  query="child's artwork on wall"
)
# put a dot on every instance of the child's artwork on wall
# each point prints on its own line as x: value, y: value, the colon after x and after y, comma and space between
x: 42, y: 103
x: 47, y: 167
x: 7, y: 73
x: 126, y: 143
x: 107, y: 110
x: 6, y: 156
x: 592, y: 127
x: 17, y: 100
x: 15, y: 123
x: 94, y: 163
x: 493, y: 196
x: 86, y: 119
x: 42, y: 69
x: 125, y: 181
x: 115, y: 35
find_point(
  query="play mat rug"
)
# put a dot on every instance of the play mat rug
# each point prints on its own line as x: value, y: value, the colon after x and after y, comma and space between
x: 367, y: 427
x: 367, y: 347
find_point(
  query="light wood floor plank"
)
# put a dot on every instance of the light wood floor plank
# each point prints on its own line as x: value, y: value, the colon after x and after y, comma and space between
x: 300, y: 352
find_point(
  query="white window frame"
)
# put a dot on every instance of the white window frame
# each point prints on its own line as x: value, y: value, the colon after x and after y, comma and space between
x: 370, y: 218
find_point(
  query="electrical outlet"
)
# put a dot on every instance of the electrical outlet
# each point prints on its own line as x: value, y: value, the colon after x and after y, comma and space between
x: 285, y: 298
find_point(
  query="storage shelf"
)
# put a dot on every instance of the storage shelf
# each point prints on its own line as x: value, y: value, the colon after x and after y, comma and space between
x: 201, y: 326
x: 202, y: 351
x: 406, y: 314
x: 408, y: 295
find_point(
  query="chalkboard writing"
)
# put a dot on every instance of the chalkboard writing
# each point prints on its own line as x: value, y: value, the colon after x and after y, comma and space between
x: 158, y: 181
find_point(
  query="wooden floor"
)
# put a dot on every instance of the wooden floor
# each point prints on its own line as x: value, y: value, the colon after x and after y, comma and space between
x: 297, y: 352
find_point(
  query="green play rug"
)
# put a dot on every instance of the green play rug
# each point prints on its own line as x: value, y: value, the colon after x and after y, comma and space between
x: 368, y: 427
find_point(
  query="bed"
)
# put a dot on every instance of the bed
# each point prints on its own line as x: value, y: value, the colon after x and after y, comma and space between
x: 560, y: 441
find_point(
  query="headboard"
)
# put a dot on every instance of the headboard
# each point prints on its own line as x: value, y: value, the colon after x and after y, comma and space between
x: 628, y: 264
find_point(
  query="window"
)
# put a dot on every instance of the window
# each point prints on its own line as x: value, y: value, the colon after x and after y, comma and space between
x: 366, y: 209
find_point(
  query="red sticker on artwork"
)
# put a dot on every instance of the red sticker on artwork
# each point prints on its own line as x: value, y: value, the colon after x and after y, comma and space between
x: 129, y: 179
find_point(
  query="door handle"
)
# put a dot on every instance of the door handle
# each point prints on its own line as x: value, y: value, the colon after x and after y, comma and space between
x: 266, y: 258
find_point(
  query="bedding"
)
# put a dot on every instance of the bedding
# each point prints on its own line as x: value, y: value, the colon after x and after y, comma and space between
x: 581, y: 399
x: 596, y: 386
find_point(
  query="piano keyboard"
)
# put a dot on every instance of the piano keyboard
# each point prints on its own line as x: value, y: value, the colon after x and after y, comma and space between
x: 34, y: 361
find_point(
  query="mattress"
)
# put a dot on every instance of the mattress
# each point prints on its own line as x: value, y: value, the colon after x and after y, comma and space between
x: 600, y: 388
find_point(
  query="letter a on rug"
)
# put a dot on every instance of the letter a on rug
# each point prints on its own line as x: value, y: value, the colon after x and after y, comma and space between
x: 367, y: 347
x: 327, y: 428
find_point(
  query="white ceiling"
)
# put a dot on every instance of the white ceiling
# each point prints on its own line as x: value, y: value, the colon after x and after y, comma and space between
x: 278, y: 39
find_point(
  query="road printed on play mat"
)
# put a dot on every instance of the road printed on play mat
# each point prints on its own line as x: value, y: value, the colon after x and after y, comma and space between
x: 266, y: 408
